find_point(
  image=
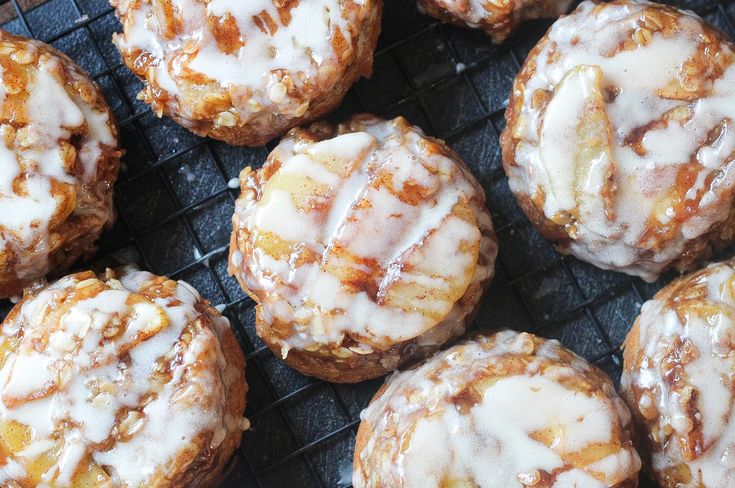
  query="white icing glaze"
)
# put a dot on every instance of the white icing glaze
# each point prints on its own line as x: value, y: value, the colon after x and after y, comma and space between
x: 422, y: 436
x: 360, y: 226
x: 89, y: 384
x: 550, y: 145
x: 38, y: 182
x: 11, y: 470
x: 274, y: 50
x: 696, y: 326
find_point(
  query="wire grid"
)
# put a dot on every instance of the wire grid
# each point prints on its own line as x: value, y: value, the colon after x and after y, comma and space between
x: 174, y: 206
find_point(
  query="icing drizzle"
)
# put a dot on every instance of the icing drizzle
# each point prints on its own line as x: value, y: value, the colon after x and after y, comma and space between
x: 506, y: 410
x: 681, y: 386
x: 53, y: 134
x: 355, y: 233
x: 624, y: 133
x: 108, y: 379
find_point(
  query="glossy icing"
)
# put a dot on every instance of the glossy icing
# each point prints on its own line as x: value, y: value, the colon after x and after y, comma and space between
x: 509, y: 410
x: 264, y: 55
x: 624, y: 133
x: 54, y: 133
x: 358, y: 233
x: 111, y: 376
x: 681, y: 386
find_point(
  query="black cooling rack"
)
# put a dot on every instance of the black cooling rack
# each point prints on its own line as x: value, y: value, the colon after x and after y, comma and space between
x: 174, y: 205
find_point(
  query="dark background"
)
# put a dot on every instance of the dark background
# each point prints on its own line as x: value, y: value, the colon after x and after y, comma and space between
x: 174, y: 209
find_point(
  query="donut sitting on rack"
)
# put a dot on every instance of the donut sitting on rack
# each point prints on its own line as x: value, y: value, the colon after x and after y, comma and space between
x: 679, y: 380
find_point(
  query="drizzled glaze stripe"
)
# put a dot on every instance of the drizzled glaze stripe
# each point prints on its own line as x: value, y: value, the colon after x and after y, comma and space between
x: 620, y: 139
x: 357, y: 233
x: 679, y: 376
x: 115, y: 381
x: 506, y: 410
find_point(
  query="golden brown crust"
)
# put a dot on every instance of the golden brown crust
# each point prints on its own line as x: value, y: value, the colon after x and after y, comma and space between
x: 329, y: 365
x: 201, y: 101
x: 71, y: 234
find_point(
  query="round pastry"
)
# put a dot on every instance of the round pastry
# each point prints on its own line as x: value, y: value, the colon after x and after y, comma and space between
x: 620, y: 137
x: 58, y: 161
x: 245, y: 72
x: 509, y: 409
x: 365, y: 245
x: 679, y: 379
x: 498, y: 18
x: 125, y: 380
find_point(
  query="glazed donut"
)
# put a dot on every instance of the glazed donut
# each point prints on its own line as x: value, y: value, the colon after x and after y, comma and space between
x: 509, y: 410
x: 498, y: 18
x: 679, y: 379
x: 620, y: 137
x: 365, y: 245
x: 124, y: 379
x: 245, y: 72
x: 58, y: 161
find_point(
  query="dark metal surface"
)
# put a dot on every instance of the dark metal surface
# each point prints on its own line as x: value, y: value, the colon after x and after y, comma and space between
x: 174, y: 209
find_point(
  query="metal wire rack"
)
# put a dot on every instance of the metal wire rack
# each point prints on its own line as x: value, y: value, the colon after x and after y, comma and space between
x: 174, y: 204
